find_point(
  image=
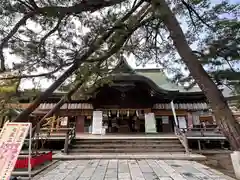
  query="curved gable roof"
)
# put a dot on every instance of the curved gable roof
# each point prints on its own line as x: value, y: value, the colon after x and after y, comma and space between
x: 160, y: 79
x: 139, y: 77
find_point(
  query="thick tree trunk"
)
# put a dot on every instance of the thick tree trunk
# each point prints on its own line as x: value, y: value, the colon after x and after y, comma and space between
x: 24, y: 114
x: 222, y: 112
x: 63, y: 100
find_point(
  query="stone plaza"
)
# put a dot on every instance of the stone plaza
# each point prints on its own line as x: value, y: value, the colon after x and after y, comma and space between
x: 145, y: 169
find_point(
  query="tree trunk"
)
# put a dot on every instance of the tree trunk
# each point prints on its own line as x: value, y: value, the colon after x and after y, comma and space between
x: 57, y: 106
x: 222, y: 112
x: 24, y: 114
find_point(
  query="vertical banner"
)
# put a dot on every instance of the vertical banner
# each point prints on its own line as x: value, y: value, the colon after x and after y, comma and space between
x: 150, y: 123
x: 12, y: 138
x: 97, y: 122
x: 196, y: 120
x: 182, y: 122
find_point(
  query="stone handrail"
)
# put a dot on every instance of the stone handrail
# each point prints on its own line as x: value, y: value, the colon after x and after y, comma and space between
x: 183, y: 139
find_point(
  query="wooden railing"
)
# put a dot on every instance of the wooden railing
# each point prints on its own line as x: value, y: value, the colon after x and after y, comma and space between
x: 203, y: 131
x: 183, y: 139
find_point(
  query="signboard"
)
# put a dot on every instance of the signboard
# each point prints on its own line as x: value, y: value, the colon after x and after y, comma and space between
x: 150, y: 123
x: 235, y: 156
x: 64, y: 121
x: 165, y: 120
x: 182, y: 122
x: 12, y: 138
x: 97, y: 122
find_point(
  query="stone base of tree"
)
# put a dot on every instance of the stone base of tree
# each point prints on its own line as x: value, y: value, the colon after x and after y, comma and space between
x: 235, y: 156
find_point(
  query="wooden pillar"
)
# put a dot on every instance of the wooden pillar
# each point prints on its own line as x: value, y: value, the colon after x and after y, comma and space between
x: 53, y: 123
x: 190, y: 120
x: 80, y: 124
x: 174, y: 114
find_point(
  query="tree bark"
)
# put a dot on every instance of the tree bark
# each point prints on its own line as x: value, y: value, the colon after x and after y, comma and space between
x: 221, y: 110
x: 57, y: 106
x: 24, y: 114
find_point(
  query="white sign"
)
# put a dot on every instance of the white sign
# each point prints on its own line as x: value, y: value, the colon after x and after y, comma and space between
x: 235, y: 156
x: 64, y: 121
x: 182, y: 122
x: 150, y: 123
x: 12, y: 138
x: 97, y: 122
x: 165, y: 120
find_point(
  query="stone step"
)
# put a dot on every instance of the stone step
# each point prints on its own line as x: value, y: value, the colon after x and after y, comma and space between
x: 150, y: 146
x: 135, y: 156
x: 125, y: 150
x: 130, y: 141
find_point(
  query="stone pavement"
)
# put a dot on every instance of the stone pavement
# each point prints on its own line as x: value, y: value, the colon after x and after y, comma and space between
x: 149, y: 169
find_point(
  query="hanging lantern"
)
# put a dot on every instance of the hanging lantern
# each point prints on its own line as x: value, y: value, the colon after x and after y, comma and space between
x: 109, y: 113
x: 128, y: 113
x: 118, y: 113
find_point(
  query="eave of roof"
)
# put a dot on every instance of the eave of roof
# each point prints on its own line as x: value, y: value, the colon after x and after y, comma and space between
x: 161, y: 80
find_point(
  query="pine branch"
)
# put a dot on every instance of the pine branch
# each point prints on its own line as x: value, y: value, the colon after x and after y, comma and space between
x: 21, y: 22
x: 25, y: 4
x: 43, y: 40
x: 55, y: 11
x: 36, y: 75
x: 192, y: 10
x: 33, y: 3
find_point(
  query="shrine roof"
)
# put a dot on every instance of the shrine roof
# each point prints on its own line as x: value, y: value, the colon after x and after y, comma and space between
x: 161, y: 80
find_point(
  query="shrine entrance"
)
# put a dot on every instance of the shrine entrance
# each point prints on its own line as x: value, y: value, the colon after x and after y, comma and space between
x: 126, y: 107
x: 124, y: 124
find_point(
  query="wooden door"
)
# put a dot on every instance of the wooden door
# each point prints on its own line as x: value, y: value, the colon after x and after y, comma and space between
x: 80, y: 124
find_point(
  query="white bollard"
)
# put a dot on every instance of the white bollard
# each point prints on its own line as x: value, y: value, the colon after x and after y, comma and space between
x: 235, y: 156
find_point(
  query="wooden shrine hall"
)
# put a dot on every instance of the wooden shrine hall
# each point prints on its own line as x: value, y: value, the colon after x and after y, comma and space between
x: 137, y: 101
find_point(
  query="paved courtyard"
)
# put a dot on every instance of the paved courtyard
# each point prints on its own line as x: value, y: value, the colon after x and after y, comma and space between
x: 130, y: 170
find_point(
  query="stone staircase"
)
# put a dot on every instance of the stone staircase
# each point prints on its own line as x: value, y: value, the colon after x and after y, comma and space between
x: 126, y: 145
